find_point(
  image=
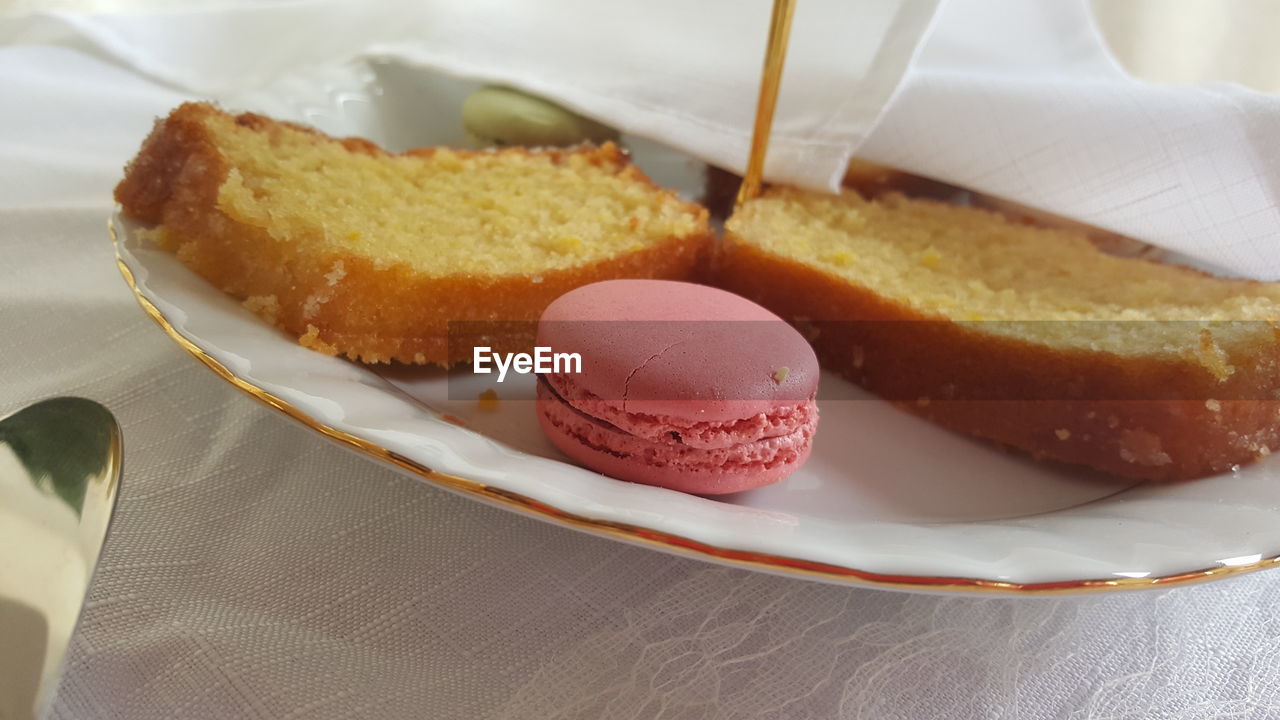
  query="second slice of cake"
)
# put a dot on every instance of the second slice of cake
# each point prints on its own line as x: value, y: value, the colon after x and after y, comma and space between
x: 1031, y: 337
x: 372, y: 255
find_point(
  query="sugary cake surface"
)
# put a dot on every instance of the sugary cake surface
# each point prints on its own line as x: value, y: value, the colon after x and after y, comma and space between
x: 386, y: 257
x: 443, y: 211
x: 966, y: 264
x: 1028, y: 336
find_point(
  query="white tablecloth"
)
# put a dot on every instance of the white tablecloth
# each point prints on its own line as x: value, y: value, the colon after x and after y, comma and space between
x: 370, y: 594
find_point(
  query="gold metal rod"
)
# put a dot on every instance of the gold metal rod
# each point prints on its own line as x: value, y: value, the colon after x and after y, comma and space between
x: 771, y: 80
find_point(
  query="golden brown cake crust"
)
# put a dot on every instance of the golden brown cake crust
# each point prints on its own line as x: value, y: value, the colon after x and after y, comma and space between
x: 368, y: 311
x: 1149, y: 418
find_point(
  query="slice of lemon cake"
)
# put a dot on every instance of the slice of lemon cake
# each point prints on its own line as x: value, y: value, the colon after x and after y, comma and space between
x: 369, y: 254
x: 1029, y: 336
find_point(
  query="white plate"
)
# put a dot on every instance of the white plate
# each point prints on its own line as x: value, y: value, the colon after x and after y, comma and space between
x: 886, y: 499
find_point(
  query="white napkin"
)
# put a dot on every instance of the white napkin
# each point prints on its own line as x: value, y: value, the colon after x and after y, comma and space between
x: 684, y: 73
x: 1021, y: 99
x: 1014, y: 98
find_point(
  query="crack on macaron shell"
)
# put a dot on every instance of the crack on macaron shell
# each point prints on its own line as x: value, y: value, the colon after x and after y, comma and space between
x: 708, y: 434
x: 626, y: 384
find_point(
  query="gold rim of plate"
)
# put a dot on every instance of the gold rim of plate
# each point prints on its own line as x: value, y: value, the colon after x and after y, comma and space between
x: 666, y: 541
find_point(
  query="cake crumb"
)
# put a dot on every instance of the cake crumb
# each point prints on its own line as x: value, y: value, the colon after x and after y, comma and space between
x: 159, y: 237
x: 1213, y: 405
x: 1062, y: 433
x: 1212, y: 357
x: 488, y: 400
x: 311, y: 307
x: 1143, y: 447
x: 780, y: 375
x: 334, y: 276
x: 842, y: 258
x: 266, y: 307
x: 311, y: 340
x: 565, y: 245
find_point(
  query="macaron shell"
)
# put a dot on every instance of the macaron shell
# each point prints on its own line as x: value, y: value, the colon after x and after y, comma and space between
x: 671, y: 348
x: 730, y: 370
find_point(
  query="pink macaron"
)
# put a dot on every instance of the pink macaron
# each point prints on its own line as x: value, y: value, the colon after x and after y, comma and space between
x: 681, y: 385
